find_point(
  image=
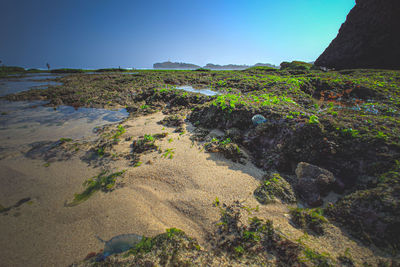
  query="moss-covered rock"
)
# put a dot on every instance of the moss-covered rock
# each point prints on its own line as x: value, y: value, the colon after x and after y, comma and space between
x: 274, y: 187
x: 172, y: 248
x: 309, y: 220
x: 227, y: 148
x: 173, y: 121
x: 373, y: 215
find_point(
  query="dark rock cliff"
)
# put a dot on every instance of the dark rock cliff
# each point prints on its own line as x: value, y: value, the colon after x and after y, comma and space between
x: 370, y: 38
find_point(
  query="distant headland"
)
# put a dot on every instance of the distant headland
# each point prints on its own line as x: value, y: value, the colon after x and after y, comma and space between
x: 188, y: 66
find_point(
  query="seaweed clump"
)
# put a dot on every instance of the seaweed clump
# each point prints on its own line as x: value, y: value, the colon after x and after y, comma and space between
x: 147, y: 142
x: 105, y: 181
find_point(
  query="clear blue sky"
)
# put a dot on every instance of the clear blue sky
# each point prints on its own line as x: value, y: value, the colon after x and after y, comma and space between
x: 138, y: 33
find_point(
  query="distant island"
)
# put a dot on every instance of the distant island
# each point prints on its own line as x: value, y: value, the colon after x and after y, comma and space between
x: 175, y: 65
x: 188, y: 66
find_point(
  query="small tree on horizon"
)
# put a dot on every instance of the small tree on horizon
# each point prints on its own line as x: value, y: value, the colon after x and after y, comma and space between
x: 48, y: 66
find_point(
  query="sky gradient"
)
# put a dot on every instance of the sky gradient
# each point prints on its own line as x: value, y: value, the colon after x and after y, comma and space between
x: 135, y: 33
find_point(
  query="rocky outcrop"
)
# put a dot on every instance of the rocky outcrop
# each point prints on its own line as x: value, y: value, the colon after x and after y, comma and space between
x: 370, y: 38
x: 373, y: 215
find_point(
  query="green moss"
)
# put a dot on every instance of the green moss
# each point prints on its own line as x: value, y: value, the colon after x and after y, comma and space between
x: 313, y: 119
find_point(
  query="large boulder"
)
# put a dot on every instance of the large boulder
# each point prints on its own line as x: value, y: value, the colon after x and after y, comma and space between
x: 370, y: 38
x: 313, y: 182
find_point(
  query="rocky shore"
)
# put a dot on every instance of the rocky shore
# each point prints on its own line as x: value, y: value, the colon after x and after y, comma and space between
x: 322, y: 168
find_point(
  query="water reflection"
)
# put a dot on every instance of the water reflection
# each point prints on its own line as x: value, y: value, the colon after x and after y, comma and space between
x: 26, y: 122
x: 16, y: 83
x: 189, y: 88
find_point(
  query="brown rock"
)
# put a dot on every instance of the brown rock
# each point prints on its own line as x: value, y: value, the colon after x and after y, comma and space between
x: 313, y: 182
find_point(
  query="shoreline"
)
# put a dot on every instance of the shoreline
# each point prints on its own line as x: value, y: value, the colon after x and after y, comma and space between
x: 162, y: 192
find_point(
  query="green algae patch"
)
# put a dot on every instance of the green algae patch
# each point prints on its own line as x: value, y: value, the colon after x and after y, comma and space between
x: 120, y: 130
x: 104, y: 181
x: 274, y: 187
x: 147, y: 142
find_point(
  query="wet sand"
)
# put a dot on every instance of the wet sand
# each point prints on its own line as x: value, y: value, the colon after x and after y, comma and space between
x: 166, y: 193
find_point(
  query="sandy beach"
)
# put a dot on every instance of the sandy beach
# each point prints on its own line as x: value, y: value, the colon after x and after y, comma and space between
x: 160, y: 194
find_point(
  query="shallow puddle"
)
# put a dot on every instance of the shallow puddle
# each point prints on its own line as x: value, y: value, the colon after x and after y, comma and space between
x: 15, y: 84
x: 189, y: 88
x: 26, y: 122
